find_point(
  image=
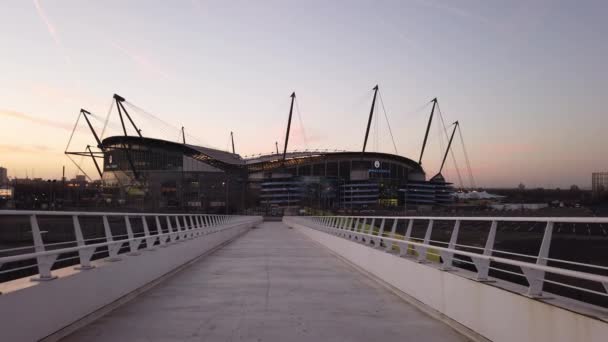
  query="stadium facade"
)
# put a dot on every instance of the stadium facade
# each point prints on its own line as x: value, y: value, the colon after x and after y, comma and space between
x: 158, y: 174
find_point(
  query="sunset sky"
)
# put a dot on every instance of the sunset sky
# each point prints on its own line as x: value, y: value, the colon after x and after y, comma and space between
x: 526, y: 79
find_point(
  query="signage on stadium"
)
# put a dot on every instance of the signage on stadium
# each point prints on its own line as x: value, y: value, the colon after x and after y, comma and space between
x: 379, y: 171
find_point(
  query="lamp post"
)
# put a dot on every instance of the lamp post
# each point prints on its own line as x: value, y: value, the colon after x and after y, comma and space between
x: 225, y: 185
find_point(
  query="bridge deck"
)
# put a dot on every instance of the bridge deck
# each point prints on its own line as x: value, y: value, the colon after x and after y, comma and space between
x: 272, y: 284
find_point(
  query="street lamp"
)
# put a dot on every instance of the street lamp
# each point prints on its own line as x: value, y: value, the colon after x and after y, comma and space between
x: 225, y: 185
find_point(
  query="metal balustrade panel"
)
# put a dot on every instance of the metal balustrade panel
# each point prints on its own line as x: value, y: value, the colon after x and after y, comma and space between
x: 488, y: 248
x: 60, y: 239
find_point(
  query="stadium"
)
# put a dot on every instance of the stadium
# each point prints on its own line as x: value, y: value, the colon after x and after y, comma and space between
x: 148, y: 173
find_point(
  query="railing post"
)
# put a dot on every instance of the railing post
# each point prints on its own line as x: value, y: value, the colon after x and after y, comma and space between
x: 378, y: 241
x: 45, y: 263
x: 354, y: 230
x: 149, y: 237
x: 133, y: 242
x: 113, y: 247
x: 84, y: 253
x: 162, y: 239
x: 361, y: 230
x: 199, y: 224
x: 389, y: 245
x: 427, y: 239
x: 192, y: 227
x: 208, y: 224
x: 186, y: 233
x: 483, y: 265
x: 348, y: 225
x: 536, y: 278
x: 408, y: 235
x: 178, y: 229
x: 448, y: 257
x: 172, y: 235
x: 368, y: 239
x: 339, y: 223
x: 345, y: 221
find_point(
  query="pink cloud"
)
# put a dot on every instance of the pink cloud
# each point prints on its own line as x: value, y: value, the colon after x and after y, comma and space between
x: 30, y: 118
x: 509, y: 148
x: 52, y: 30
x: 8, y: 148
x: 144, y: 62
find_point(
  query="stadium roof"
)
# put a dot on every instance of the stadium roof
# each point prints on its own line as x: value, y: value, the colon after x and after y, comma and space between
x: 228, y: 158
x: 191, y: 150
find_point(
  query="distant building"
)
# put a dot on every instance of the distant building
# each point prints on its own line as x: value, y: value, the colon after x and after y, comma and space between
x: 3, y: 175
x: 599, y: 182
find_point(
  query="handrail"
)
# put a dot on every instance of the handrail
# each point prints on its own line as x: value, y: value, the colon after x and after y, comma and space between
x: 363, y: 229
x: 178, y: 227
x: 486, y: 218
x: 97, y: 213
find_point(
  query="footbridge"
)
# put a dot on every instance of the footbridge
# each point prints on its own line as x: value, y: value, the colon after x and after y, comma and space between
x: 77, y: 276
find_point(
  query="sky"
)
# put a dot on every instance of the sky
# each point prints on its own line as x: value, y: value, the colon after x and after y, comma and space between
x: 525, y: 79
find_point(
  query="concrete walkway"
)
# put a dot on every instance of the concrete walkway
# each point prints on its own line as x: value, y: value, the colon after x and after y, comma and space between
x: 272, y: 284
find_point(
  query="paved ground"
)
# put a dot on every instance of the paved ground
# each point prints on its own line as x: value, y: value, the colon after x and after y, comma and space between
x: 272, y: 284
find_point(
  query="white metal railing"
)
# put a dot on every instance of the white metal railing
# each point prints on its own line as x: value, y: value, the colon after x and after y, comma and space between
x: 372, y: 229
x: 178, y: 228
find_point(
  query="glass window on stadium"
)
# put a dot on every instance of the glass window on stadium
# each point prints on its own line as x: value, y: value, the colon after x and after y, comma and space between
x: 318, y: 169
x: 345, y: 170
x: 362, y: 165
x: 304, y: 170
x: 332, y: 169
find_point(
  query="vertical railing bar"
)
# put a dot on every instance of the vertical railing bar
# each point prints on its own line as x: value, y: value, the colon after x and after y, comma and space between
x: 378, y: 242
x: 536, y: 278
x: 45, y: 263
x: 172, y: 235
x: 389, y: 245
x: 162, y: 240
x: 368, y: 239
x: 133, y: 243
x: 84, y: 254
x: 113, y: 248
x: 427, y: 238
x: 483, y: 265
